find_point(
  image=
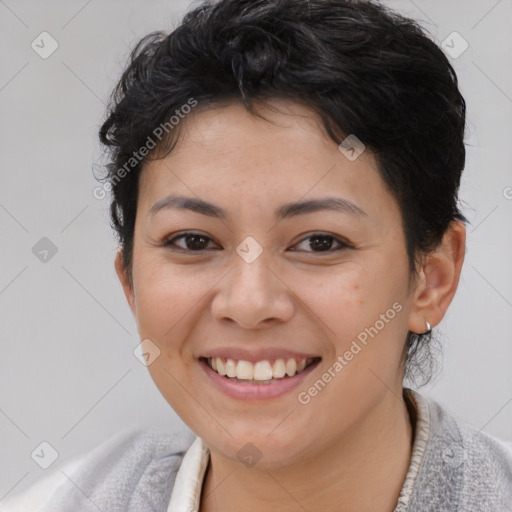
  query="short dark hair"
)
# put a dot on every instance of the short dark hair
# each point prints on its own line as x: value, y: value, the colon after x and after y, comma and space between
x: 363, y: 68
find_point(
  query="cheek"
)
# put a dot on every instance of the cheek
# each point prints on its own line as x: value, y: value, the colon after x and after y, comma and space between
x: 343, y: 298
x: 166, y: 298
x: 358, y: 303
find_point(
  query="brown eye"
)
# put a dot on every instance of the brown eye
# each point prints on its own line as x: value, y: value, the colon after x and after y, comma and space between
x: 193, y: 242
x: 319, y: 242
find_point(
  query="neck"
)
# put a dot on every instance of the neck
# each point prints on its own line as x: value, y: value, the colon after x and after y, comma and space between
x: 364, y: 471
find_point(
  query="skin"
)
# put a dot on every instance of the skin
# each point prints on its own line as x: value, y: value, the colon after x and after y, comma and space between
x: 349, y: 448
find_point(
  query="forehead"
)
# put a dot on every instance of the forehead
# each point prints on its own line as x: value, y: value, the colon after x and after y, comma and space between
x: 232, y: 157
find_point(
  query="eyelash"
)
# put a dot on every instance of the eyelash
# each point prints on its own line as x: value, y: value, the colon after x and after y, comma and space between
x: 172, y: 246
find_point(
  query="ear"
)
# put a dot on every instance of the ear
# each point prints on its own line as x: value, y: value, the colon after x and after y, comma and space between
x: 439, y: 279
x: 122, y: 274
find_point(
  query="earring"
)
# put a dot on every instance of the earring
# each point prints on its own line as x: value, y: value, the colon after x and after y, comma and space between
x: 429, y: 329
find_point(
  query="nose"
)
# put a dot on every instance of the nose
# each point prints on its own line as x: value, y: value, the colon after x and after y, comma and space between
x: 253, y: 295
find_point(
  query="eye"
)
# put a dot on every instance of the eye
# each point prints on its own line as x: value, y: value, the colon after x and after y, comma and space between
x: 197, y: 242
x: 193, y: 242
x: 320, y: 242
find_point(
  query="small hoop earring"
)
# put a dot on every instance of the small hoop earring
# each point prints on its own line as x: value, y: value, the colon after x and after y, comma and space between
x: 429, y: 329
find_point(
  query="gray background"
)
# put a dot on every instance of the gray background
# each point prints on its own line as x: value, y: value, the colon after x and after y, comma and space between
x: 67, y: 372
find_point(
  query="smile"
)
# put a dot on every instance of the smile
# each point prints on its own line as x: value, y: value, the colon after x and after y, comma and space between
x: 260, y: 379
x: 260, y: 372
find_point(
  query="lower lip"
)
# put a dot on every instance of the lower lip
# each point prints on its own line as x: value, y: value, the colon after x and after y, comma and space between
x: 243, y: 391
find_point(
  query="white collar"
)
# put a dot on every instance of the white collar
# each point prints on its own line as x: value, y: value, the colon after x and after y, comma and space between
x: 186, y: 493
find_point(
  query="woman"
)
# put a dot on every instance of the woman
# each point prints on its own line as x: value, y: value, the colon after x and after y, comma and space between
x: 285, y: 178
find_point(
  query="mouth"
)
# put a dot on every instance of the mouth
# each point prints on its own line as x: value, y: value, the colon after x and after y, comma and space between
x: 266, y: 371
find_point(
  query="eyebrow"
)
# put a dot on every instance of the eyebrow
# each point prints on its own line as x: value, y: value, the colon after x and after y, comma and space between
x: 287, y: 210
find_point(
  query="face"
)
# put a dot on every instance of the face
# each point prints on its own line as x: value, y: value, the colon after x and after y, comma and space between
x: 252, y: 276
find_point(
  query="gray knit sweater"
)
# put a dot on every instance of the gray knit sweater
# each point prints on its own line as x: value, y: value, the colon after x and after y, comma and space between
x: 454, y: 468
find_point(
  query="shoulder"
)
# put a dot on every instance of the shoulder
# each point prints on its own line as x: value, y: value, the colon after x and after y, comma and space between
x: 487, y: 463
x: 463, y: 468
x: 135, y: 465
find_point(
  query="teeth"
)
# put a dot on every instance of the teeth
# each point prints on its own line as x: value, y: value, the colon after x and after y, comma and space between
x: 244, y: 370
x: 279, y: 369
x: 230, y: 368
x: 221, y: 367
x: 291, y: 367
x: 260, y: 371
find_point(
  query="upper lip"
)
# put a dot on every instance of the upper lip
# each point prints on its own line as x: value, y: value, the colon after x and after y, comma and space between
x: 255, y: 355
